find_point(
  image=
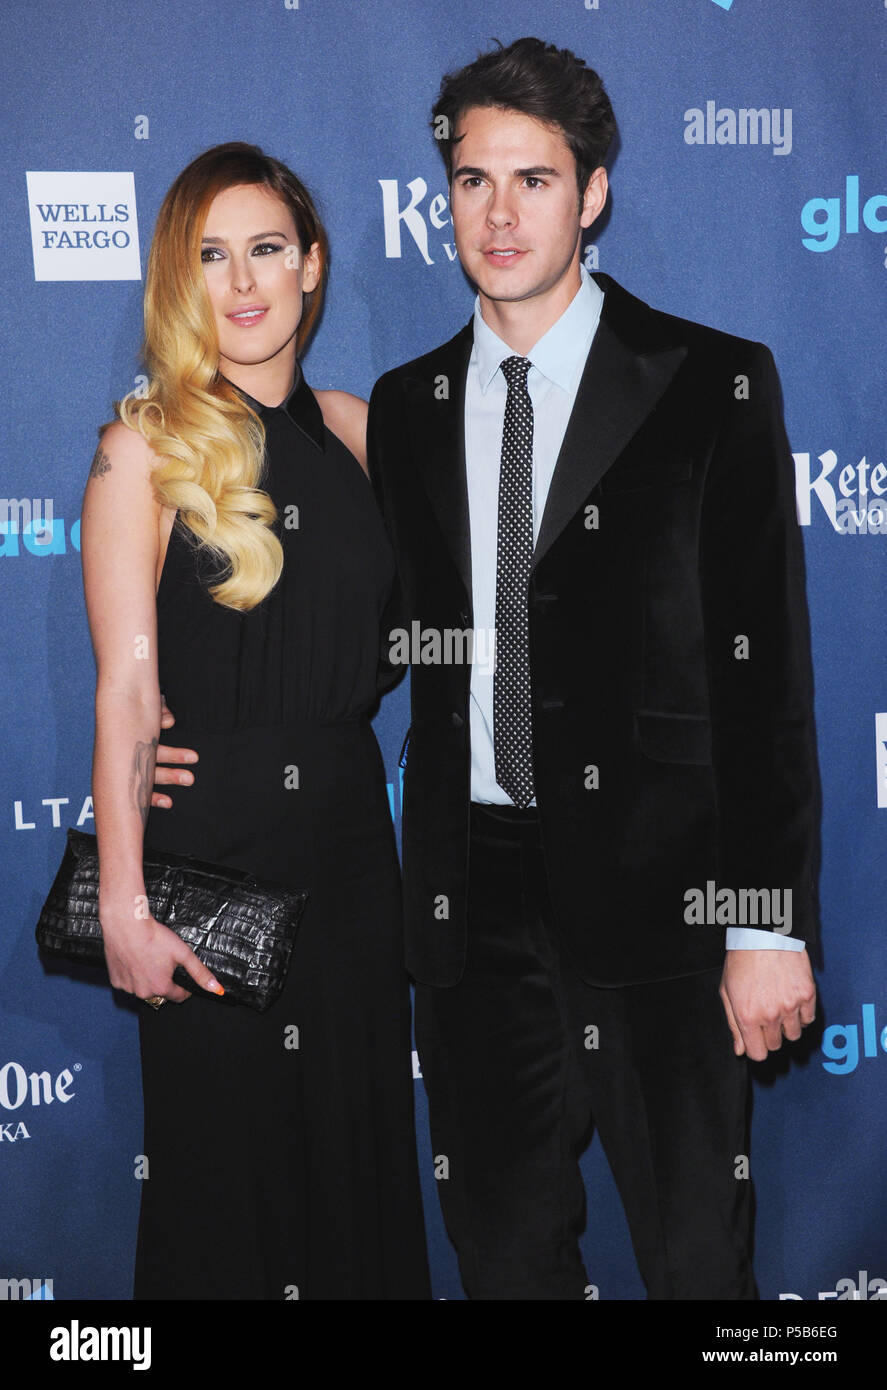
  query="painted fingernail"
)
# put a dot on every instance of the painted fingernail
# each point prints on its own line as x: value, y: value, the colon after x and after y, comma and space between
x: 214, y: 987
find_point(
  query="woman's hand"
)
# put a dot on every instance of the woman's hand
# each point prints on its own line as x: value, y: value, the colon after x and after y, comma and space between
x: 142, y: 954
x: 170, y: 776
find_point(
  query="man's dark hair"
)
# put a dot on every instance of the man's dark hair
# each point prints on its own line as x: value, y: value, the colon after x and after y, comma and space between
x: 539, y: 80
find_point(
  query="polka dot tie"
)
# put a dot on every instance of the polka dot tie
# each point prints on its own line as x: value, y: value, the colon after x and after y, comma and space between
x: 512, y: 713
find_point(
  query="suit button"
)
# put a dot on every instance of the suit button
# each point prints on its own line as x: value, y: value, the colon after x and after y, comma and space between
x: 457, y: 720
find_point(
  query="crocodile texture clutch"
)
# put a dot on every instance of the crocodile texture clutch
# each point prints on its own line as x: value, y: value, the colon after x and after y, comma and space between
x: 241, y: 927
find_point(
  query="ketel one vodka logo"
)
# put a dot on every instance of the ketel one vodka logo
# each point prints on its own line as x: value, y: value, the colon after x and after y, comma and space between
x: 426, y: 222
x: 853, y: 496
x: 21, y: 1092
x: 84, y: 226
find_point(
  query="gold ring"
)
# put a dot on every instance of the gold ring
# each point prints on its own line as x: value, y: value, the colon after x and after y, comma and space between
x: 155, y: 1000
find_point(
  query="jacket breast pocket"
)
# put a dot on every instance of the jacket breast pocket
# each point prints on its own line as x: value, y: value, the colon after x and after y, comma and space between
x: 635, y: 475
x: 674, y: 738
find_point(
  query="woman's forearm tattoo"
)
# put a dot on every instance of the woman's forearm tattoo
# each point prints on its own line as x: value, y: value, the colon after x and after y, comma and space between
x: 143, y: 777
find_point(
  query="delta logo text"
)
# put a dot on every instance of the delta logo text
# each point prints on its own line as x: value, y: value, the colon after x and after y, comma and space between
x: 54, y: 804
x: 84, y: 226
x: 853, y: 497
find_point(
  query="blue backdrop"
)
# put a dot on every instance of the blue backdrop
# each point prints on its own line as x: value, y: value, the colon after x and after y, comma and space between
x: 748, y: 191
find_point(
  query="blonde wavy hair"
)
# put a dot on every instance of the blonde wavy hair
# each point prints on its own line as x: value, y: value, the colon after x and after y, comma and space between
x: 209, y: 443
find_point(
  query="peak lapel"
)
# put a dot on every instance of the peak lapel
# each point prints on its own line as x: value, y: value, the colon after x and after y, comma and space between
x: 625, y: 374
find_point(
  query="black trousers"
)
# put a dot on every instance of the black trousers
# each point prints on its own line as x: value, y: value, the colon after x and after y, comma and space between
x: 521, y: 1060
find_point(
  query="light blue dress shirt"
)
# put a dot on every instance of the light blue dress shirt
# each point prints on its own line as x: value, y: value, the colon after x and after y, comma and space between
x: 557, y: 362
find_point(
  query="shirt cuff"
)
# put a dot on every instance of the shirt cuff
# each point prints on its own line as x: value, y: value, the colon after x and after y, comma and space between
x: 749, y: 939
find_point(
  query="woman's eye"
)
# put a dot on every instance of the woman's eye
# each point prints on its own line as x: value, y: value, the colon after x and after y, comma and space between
x: 208, y: 254
x: 267, y: 246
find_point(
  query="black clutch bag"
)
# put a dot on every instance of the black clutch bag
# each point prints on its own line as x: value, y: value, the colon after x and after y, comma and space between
x: 241, y: 927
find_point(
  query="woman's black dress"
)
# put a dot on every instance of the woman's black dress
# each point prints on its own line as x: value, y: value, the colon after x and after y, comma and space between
x: 280, y: 1147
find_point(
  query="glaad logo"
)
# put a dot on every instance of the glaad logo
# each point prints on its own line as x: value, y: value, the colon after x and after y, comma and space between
x: 412, y: 218
x: 851, y: 509
x: 745, y: 125
x: 25, y: 514
x: 821, y: 217
x: 840, y: 1042
x: 41, y: 535
x: 84, y: 226
x: 881, y: 758
x: 26, y: 1290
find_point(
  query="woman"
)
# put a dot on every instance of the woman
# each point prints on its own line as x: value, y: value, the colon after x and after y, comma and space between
x: 234, y: 557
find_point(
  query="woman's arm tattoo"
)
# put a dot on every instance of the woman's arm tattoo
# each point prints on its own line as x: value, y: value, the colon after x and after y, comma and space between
x: 100, y: 465
x: 143, y: 777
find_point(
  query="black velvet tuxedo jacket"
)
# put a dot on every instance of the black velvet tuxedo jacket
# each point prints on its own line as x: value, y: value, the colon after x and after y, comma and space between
x: 673, y: 738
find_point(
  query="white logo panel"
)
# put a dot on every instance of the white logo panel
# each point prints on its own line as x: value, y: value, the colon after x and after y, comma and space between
x: 84, y: 226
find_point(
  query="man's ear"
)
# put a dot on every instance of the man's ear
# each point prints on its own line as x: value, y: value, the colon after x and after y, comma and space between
x: 594, y: 197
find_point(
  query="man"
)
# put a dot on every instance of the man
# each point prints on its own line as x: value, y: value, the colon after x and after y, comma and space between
x: 610, y: 489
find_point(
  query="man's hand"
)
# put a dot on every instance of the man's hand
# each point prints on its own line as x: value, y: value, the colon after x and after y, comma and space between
x: 767, y: 995
x: 170, y: 776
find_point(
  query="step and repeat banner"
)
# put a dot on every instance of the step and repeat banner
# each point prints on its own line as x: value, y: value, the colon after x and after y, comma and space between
x: 749, y: 191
